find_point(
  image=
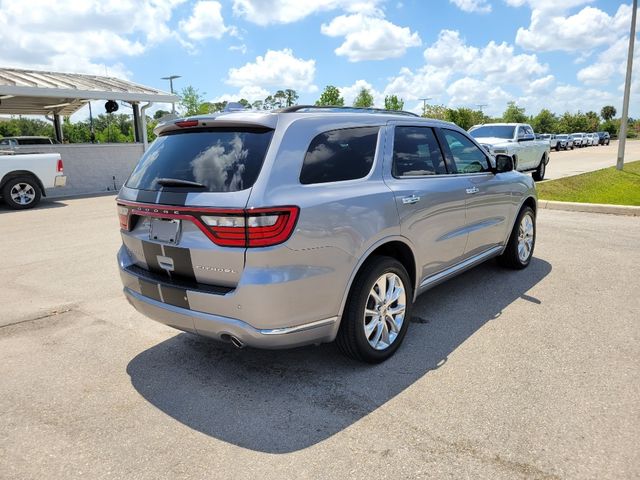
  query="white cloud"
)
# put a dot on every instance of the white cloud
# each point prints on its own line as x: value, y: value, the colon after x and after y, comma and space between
x: 266, y: 12
x: 370, y: 37
x: 471, y: 92
x: 205, y: 21
x: 427, y: 81
x: 278, y: 69
x: 541, y: 86
x: 589, y: 28
x: 250, y: 93
x: 569, y: 98
x: 473, y: 6
x: 495, y: 62
x: 610, y: 64
x: 84, y: 37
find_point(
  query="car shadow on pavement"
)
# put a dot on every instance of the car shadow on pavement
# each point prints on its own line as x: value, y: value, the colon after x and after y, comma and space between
x: 286, y: 400
x: 44, y: 204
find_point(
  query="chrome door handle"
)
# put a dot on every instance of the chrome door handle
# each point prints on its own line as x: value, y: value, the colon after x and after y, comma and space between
x: 473, y: 190
x: 411, y: 199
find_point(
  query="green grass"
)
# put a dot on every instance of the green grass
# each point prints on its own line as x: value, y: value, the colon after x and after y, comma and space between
x: 602, y: 186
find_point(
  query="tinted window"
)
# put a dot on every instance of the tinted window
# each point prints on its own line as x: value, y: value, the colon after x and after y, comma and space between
x: 34, y: 141
x: 497, y: 131
x: 467, y: 157
x: 224, y: 160
x: 339, y: 155
x: 416, y: 152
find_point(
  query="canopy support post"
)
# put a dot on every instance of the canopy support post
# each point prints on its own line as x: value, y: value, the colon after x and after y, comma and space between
x: 57, y: 127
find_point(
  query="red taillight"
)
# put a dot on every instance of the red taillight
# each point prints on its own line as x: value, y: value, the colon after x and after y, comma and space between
x: 123, y: 216
x: 59, y: 166
x: 187, y: 123
x: 257, y: 227
x: 277, y: 229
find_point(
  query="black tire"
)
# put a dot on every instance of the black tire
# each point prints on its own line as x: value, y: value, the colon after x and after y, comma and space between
x: 25, y: 184
x: 510, y: 258
x: 351, y: 339
x: 538, y: 174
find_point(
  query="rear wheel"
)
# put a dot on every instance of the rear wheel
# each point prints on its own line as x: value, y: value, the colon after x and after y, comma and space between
x: 21, y: 193
x: 538, y: 174
x: 522, y: 241
x: 376, y: 316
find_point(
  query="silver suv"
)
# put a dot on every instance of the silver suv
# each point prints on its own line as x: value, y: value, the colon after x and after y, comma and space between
x: 308, y: 225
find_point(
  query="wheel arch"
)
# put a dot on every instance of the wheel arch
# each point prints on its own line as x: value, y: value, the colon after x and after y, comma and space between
x: 395, y: 247
x: 22, y: 173
x: 529, y: 201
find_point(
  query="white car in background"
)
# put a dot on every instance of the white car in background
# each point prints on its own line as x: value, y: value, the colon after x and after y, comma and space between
x: 580, y: 139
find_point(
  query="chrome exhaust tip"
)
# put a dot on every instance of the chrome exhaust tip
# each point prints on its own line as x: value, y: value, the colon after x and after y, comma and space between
x: 236, y: 342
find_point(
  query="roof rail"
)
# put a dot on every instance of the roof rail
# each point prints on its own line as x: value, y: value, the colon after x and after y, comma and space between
x: 301, y: 108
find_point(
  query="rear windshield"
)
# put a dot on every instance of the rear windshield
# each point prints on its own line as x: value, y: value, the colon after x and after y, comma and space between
x: 498, y: 131
x: 223, y: 160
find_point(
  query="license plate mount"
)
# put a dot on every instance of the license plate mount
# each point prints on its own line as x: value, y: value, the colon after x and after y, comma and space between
x: 165, y: 230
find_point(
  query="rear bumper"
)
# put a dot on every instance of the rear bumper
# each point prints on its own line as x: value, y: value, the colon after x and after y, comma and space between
x: 223, y: 328
x: 60, y: 181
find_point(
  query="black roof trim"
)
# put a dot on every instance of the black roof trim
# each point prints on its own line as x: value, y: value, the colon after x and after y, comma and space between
x: 299, y: 108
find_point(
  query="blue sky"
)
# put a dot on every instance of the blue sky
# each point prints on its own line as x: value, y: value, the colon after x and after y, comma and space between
x: 563, y: 55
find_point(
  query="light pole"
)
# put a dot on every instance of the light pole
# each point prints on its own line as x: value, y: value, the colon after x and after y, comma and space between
x: 424, y: 105
x: 627, y: 90
x: 171, y: 78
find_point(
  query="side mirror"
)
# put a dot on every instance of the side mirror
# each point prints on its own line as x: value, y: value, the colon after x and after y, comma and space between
x: 527, y: 137
x: 504, y: 163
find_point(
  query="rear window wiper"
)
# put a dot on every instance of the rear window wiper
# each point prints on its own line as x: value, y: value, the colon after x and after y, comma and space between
x: 177, y: 182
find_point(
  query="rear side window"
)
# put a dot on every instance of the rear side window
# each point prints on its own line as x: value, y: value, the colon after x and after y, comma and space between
x: 223, y: 160
x: 338, y: 155
x: 416, y: 152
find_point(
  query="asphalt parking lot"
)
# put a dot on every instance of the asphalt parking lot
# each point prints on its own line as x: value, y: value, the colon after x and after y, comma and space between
x: 587, y: 159
x: 503, y: 374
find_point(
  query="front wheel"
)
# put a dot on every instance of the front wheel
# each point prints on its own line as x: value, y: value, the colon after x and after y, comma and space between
x: 21, y: 193
x: 519, y: 250
x: 377, y: 313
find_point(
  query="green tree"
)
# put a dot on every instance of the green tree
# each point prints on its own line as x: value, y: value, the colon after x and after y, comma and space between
x: 392, y: 102
x: 330, y: 97
x: 17, y: 126
x: 572, y: 122
x: 160, y: 113
x: 364, y: 99
x: 192, y: 101
x: 514, y: 114
x: 279, y: 99
x: 437, y: 112
x: 291, y: 97
x: 463, y: 117
x: 545, y: 122
x: 608, y: 112
x: 257, y: 105
x: 593, y: 121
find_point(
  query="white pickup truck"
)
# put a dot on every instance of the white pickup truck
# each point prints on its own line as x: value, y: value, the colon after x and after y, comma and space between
x: 24, y: 177
x: 516, y: 140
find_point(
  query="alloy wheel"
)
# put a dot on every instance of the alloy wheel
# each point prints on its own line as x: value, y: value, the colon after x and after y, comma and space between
x: 384, y: 311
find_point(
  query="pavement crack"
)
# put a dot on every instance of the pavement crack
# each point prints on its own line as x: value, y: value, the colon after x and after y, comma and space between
x: 52, y: 313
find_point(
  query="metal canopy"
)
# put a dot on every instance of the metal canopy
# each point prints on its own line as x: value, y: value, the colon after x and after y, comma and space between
x: 32, y: 92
